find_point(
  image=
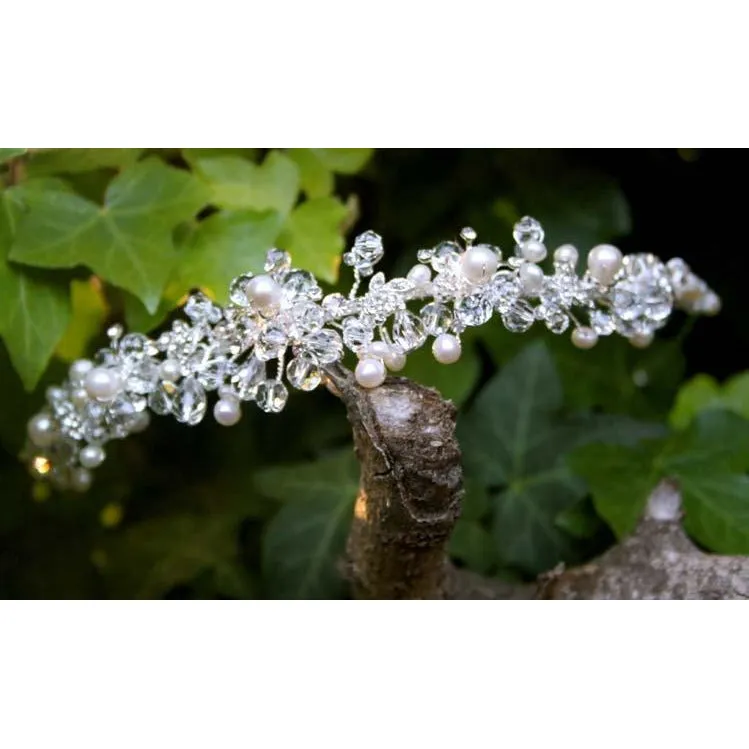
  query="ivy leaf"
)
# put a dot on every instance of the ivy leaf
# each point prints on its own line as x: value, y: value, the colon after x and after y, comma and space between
x: 472, y: 544
x: 75, y: 160
x: 193, y: 155
x: 620, y: 479
x: 150, y: 558
x: 316, y: 178
x: 305, y: 539
x: 343, y: 160
x: 717, y: 510
x: 736, y: 394
x: 34, y: 308
x: 699, y: 393
x: 6, y: 154
x: 238, y: 184
x: 89, y: 310
x: 313, y: 236
x: 455, y: 381
x: 127, y: 241
x: 224, y: 246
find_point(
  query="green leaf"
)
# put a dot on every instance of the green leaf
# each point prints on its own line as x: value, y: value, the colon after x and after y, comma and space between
x: 89, y: 310
x: 343, y: 160
x: 6, y: 154
x: 127, y: 241
x: 237, y: 184
x: 148, y: 559
x: 193, y: 155
x: 736, y: 394
x: 509, y: 415
x: 698, y: 394
x: 472, y: 544
x: 316, y: 178
x: 454, y: 381
x: 580, y: 521
x: 620, y: 480
x: 717, y: 511
x: 313, y: 236
x: 475, y: 504
x: 74, y: 160
x: 34, y: 308
x: 304, y: 541
x: 223, y: 247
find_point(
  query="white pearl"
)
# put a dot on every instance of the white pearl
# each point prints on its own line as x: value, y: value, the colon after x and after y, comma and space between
x: 264, y: 292
x: 370, y: 373
x: 91, y: 456
x: 419, y: 275
x: 79, y: 396
x: 531, y: 278
x: 170, y: 370
x: 604, y: 262
x: 79, y: 369
x: 102, y: 384
x: 446, y: 348
x: 380, y: 349
x: 567, y: 253
x: 227, y: 412
x: 533, y: 252
x: 395, y: 359
x: 641, y: 340
x: 80, y: 480
x: 479, y: 263
x: 584, y: 337
x: 140, y: 422
x: 41, y: 430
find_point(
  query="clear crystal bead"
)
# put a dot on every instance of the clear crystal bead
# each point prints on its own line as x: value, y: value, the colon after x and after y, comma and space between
x: 602, y: 322
x: 399, y: 286
x: 366, y: 252
x: 143, y: 377
x: 425, y: 256
x: 212, y: 374
x: 527, y: 230
x: 519, y: 317
x: 160, y: 400
x: 271, y: 396
x: 503, y: 290
x: 277, y: 261
x: 190, y: 403
x: 474, y: 309
x: 249, y: 375
x: 356, y: 334
x: 136, y: 346
x: 298, y: 283
x: 308, y: 316
x: 238, y: 290
x: 642, y: 298
x: 303, y: 372
x: 437, y: 318
x: 325, y: 345
x: 271, y: 343
x: 335, y: 306
x: 408, y: 330
x: 557, y: 322
x: 199, y: 308
x: 119, y: 416
x: 446, y: 256
x: 106, y: 358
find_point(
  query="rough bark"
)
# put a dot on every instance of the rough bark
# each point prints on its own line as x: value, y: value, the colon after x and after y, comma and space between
x: 409, y: 501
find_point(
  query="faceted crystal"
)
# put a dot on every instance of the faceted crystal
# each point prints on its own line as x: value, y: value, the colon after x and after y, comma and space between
x: 190, y: 402
x: 277, y: 261
x: 557, y: 322
x: 366, y: 253
x: 642, y: 298
x: 211, y: 376
x: 325, y: 345
x: 519, y: 317
x: 474, y: 309
x: 437, y: 318
x: 200, y: 309
x: 527, y: 230
x: 504, y: 290
x: 136, y: 346
x: 303, y: 372
x: 356, y: 334
x: 272, y: 343
x: 119, y: 416
x: 301, y: 283
x: 160, y: 400
x: 446, y: 256
x: 308, y: 316
x: 238, y: 290
x: 424, y: 256
x: 336, y: 306
x: 250, y: 374
x: 602, y: 322
x: 143, y: 376
x: 271, y: 396
x: 558, y: 292
x: 408, y: 330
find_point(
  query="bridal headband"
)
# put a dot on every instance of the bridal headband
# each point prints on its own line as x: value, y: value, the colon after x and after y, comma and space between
x: 279, y: 328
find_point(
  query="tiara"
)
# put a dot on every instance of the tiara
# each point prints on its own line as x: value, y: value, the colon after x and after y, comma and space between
x: 279, y: 329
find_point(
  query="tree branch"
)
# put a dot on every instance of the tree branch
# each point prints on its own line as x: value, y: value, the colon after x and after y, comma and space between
x: 409, y: 501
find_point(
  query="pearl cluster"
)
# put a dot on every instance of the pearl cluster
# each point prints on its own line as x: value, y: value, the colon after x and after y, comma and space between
x: 282, y: 318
